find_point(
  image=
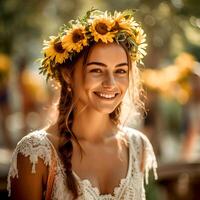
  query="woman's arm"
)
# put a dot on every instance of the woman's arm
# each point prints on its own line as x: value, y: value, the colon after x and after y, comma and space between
x: 28, y: 185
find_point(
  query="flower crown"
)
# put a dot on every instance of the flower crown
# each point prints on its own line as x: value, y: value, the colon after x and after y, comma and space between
x: 93, y: 27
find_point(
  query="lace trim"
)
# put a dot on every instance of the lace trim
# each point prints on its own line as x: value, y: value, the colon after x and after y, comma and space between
x: 123, y: 182
x: 34, y: 146
x: 37, y: 145
x: 149, y: 158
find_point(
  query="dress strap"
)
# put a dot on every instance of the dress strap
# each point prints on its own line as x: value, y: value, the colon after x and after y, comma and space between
x: 51, y: 177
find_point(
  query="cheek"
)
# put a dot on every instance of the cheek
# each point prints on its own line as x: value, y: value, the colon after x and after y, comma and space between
x: 91, y: 81
x: 124, y: 83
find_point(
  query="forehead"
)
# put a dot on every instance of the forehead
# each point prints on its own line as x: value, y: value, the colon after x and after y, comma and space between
x: 110, y: 53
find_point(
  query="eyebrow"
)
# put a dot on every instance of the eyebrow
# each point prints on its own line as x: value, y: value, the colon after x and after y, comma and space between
x: 104, y: 65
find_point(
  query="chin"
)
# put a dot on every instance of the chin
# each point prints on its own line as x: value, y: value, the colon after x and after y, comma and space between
x: 105, y: 109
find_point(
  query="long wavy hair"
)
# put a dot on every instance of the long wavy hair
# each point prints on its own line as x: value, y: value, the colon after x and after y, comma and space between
x: 66, y: 107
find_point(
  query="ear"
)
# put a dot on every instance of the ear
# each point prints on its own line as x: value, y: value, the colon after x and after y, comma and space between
x: 66, y: 76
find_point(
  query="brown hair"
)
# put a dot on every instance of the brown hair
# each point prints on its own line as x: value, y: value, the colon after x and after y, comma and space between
x: 65, y: 117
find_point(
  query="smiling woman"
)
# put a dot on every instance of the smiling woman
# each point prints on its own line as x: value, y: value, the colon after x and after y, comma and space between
x: 104, y: 81
x: 87, y: 153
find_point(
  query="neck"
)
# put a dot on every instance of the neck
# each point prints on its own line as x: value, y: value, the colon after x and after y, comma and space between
x: 93, y: 126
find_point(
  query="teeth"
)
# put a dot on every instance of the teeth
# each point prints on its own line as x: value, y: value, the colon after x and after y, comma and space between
x: 108, y: 96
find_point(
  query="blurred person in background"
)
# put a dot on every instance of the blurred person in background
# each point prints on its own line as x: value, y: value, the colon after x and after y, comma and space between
x: 152, y: 120
x: 5, y: 67
x: 33, y: 96
x: 191, y: 140
x: 88, y: 153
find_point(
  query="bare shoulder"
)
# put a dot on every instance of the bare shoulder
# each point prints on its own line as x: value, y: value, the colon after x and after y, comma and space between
x: 27, y: 185
x: 29, y: 166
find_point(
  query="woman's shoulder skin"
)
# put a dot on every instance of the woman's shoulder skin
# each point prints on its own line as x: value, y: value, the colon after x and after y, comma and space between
x: 29, y: 167
x: 28, y: 185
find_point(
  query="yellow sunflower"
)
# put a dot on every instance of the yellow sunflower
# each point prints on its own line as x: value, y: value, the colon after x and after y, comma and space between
x: 54, y: 50
x: 120, y: 23
x: 75, y: 38
x: 101, y: 29
x: 139, y: 36
x: 139, y: 52
x: 141, y: 49
x: 139, y: 56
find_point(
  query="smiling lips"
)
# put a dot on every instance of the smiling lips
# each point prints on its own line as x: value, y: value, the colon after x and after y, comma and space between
x: 106, y: 96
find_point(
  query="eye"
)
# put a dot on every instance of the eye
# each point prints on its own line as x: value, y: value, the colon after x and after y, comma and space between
x: 121, y: 71
x: 96, y: 70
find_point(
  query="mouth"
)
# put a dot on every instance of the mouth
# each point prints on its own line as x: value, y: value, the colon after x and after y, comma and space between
x: 106, y: 96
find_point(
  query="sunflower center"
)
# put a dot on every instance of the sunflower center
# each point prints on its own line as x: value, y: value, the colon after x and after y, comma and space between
x: 101, y: 28
x: 77, y: 36
x: 58, y: 47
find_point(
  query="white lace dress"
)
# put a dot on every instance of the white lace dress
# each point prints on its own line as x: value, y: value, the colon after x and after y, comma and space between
x: 36, y: 145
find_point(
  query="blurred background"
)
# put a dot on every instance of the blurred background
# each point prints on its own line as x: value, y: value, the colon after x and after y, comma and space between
x: 171, y: 78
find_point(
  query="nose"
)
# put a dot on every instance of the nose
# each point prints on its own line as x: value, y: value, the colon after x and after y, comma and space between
x: 109, y: 81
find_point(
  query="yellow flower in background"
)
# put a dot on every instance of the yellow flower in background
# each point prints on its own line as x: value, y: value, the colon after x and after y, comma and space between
x: 5, y: 62
x: 54, y: 50
x: 5, y: 69
x: 101, y: 29
x: 185, y: 63
x: 172, y: 81
x: 75, y: 39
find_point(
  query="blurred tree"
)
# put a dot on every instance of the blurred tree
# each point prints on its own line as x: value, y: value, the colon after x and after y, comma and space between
x: 18, y: 18
x: 24, y: 21
x: 190, y: 7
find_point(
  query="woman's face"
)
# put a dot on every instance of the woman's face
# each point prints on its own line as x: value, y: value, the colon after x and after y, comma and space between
x: 102, y: 83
